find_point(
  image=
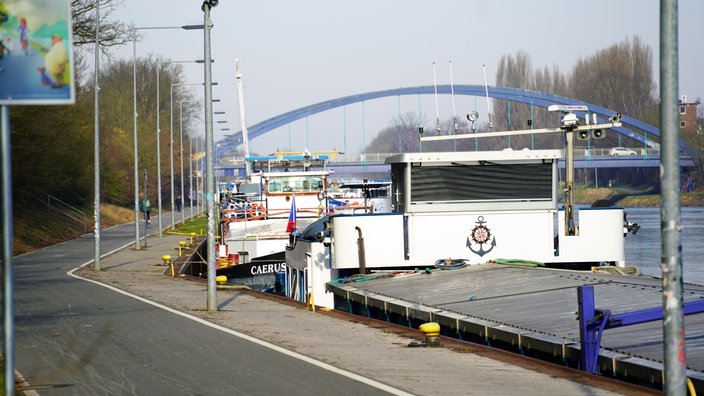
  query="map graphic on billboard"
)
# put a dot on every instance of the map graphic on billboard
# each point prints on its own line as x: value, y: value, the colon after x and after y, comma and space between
x: 36, y: 52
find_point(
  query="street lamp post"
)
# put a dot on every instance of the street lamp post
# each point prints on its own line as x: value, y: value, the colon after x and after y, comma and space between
x: 171, y: 145
x: 171, y: 156
x: 180, y: 117
x: 210, y: 166
x: 158, y: 134
x: 199, y: 181
x: 96, y: 143
x: 136, y: 144
x: 190, y: 174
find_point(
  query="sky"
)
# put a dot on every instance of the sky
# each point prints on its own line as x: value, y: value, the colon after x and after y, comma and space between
x: 294, y: 54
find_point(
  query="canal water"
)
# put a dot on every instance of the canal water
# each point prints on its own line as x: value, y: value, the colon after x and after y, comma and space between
x: 643, y: 250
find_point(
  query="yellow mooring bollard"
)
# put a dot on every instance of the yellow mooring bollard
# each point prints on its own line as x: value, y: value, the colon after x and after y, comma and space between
x: 181, y: 247
x: 431, y: 330
x: 310, y: 302
x: 167, y: 259
x: 193, y: 237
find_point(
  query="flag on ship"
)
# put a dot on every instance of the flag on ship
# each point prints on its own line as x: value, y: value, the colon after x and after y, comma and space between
x: 291, y: 226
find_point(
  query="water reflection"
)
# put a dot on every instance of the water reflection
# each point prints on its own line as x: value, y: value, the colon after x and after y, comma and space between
x: 643, y: 249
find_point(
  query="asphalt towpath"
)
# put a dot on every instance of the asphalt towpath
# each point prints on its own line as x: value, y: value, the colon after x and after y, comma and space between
x: 363, y: 347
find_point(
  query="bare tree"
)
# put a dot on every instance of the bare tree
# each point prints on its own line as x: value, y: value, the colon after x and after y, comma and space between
x: 619, y: 78
x: 517, y: 72
x: 117, y: 118
x: 112, y: 32
x: 400, y: 136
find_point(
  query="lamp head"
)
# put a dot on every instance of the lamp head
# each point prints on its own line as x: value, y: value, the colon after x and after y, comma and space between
x: 209, y: 3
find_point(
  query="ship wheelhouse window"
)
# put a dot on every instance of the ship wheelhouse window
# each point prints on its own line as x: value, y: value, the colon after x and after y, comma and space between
x: 295, y: 184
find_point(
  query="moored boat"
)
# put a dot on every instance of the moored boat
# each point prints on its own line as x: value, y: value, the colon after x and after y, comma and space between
x: 284, y: 193
x: 472, y: 207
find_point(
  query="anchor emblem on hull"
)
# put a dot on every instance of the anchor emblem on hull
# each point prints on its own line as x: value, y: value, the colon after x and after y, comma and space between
x: 481, y: 235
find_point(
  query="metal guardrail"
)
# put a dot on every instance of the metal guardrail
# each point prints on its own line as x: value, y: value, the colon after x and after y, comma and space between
x: 584, y: 151
x: 55, y: 205
x: 68, y: 210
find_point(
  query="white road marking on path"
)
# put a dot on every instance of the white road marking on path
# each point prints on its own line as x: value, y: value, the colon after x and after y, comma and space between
x: 295, y: 355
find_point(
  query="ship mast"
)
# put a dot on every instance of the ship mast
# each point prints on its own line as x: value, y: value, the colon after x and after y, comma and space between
x: 243, y: 122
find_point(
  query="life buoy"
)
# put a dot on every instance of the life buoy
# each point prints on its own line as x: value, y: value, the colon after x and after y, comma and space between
x: 256, y: 210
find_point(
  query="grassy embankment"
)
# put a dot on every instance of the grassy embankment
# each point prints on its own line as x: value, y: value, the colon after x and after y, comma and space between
x: 197, y: 224
x: 632, y: 198
x: 35, y: 228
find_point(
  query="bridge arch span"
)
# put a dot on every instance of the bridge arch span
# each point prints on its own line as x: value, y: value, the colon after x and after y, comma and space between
x: 535, y: 98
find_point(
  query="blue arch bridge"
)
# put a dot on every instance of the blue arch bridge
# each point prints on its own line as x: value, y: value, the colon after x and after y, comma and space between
x: 585, y: 157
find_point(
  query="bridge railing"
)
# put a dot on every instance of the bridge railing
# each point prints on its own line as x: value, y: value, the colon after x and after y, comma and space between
x: 368, y: 157
x: 585, y: 151
x: 579, y: 151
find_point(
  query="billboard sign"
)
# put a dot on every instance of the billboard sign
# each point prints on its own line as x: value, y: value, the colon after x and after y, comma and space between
x: 36, y: 52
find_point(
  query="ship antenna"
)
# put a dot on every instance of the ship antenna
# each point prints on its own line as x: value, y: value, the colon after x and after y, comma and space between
x: 488, y: 104
x: 454, y: 109
x: 437, y: 110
